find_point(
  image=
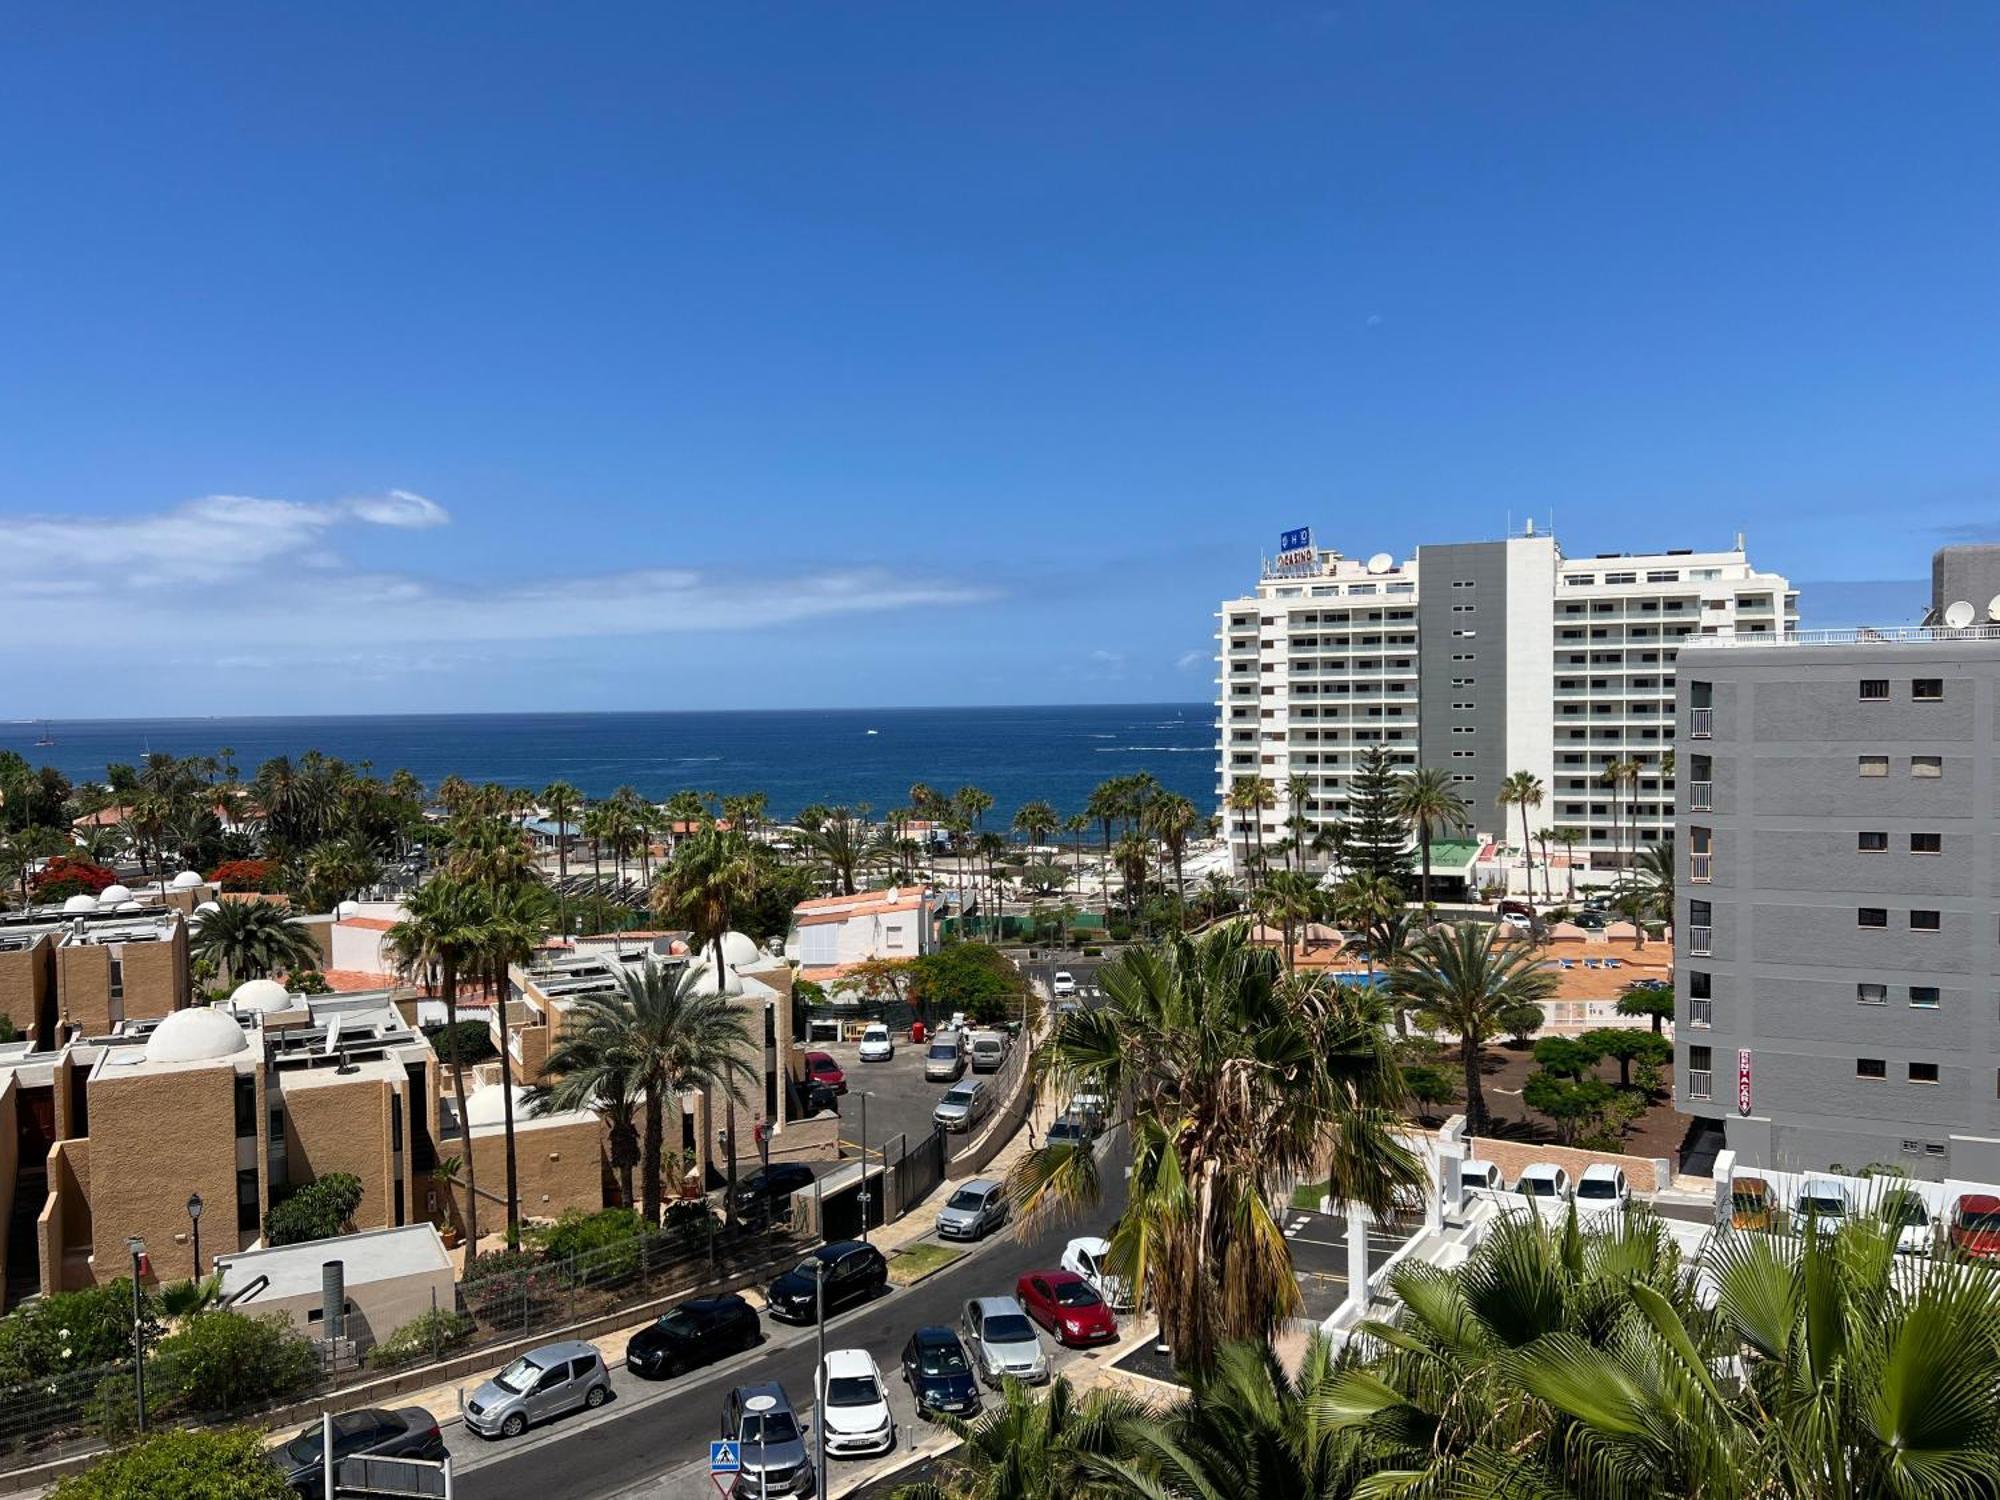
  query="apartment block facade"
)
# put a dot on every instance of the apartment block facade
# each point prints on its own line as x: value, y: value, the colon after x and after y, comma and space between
x: 1479, y: 659
x: 1838, y: 962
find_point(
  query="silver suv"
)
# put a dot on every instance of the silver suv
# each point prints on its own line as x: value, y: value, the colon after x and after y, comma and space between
x: 963, y: 1106
x: 1002, y: 1341
x: 542, y: 1383
x: 974, y: 1211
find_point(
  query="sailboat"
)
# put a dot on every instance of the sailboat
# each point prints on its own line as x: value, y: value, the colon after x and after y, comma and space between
x: 48, y: 736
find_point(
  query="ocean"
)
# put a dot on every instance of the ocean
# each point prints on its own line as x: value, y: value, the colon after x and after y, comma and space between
x: 794, y: 756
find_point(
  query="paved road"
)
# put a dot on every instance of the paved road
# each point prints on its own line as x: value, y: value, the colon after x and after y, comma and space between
x: 649, y: 1430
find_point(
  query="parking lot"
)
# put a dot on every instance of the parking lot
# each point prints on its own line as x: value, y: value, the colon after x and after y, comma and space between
x: 899, y: 1099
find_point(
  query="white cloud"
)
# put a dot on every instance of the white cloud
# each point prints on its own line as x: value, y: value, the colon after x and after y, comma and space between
x: 1187, y: 661
x: 251, y: 574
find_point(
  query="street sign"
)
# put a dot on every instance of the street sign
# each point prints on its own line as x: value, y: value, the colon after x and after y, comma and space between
x: 1743, y: 1081
x: 724, y: 1458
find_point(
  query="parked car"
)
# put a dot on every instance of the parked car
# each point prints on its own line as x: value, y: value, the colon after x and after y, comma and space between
x: 974, y: 1211
x: 817, y: 1098
x: 698, y: 1332
x: 1071, y: 1128
x: 408, y: 1432
x: 1751, y: 1204
x: 1511, y: 908
x: 1480, y: 1176
x: 771, y: 1442
x: 821, y: 1067
x: 543, y: 1383
x: 1602, y: 1190
x: 1590, y: 921
x: 877, y: 1045
x: 768, y: 1190
x: 1823, y: 1199
x: 1904, y: 1210
x: 963, y: 1106
x: 1063, y: 984
x: 1975, y: 1226
x: 1086, y: 1257
x: 1520, y: 921
x: 1068, y: 1306
x: 853, y: 1272
x: 855, y: 1406
x: 939, y: 1373
x: 1002, y: 1341
x: 945, y: 1061
x: 1545, y: 1187
x: 989, y: 1051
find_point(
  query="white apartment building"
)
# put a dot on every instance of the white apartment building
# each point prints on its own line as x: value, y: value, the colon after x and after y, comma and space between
x: 830, y: 934
x: 1515, y: 658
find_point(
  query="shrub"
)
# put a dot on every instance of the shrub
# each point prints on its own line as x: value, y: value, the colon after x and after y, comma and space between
x: 308, y: 982
x: 221, y: 1361
x: 593, y: 1248
x: 249, y: 876
x: 503, y: 1281
x: 65, y: 876
x: 973, y: 977
x: 692, y: 1222
x: 475, y: 1042
x: 69, y: 1331
x: 425, y: 1337
x: 318, y: 1211
x: 174, y: 1464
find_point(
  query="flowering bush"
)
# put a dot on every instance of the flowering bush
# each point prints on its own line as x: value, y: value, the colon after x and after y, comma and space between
x: 63, y: 877
x: 245, y: 875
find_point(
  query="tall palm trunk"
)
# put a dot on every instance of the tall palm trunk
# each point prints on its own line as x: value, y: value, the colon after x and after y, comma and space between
x: 1104, y: 873
x: 448, y: 982
x: 1424, y: 874
x: 1527, y: 851
x: 649, y: 1158
x: 721, y: 987
x: 1477, y: 1121
x: 507, y: 1111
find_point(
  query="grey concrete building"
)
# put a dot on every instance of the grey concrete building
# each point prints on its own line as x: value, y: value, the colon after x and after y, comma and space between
x: 1838, y: 957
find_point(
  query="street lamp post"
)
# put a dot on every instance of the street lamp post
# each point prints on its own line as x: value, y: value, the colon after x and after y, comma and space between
x: 194, y: 1220
x: 758, y: 1406
x: 138, y: 1248
x: 864, y: 1166
x: 819, y: 1376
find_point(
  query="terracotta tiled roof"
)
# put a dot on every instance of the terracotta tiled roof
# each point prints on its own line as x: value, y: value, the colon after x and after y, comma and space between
x: 368, y: 924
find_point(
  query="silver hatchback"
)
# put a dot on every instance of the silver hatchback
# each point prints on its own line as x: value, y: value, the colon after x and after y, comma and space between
x: 541, y: 1384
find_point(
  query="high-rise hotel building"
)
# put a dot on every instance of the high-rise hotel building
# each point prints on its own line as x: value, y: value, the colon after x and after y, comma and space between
x: 1479, y: 659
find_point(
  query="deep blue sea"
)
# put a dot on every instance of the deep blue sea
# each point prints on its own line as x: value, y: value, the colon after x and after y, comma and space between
x: 793, y: 756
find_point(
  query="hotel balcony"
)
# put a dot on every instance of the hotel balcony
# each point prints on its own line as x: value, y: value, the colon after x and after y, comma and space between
x: 1701, y: 723
x: 1701, y: 868
x: 1701, y: 796
x: 1701, y: 1083
x: 1701, y: 1013
x: 1699, y: 939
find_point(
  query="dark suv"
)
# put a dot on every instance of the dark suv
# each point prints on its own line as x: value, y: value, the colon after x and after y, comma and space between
x: 698, y: 1332
x: 852, y: 1272
x: 767, y: 1192
x: 410, y: 1432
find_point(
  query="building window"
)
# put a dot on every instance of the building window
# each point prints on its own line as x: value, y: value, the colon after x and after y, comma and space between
x: 1872, y: 916
x: 1871, y: 843
x: 1870, y: 1067
x: 1923, y: 1072
x: 1924, y: 996
x: 1927, y: 765
x: 1701, y: 1075
x: 1874, y: 765
x: 117, y: 978
x: 1927, y: 689
x: 1700, y: 984
x: 1925, y: 921
x: 1871, y: 994
x: 246, y: 1105
x: 246, y: 1201
x: 1926, y: 843
x: 1874, y: 687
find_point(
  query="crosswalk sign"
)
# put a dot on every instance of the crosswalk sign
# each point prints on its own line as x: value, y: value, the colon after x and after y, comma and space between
x: 724, y: 1458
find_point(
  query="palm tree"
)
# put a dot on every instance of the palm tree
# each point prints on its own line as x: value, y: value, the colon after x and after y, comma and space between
x: 1174, y: 817
x: 841, y: 847
x: 580, y: 1074
x: 664, y: 1038
x: 1618, y: 775
x: 1653, y: 881
x: 1035, y: 821
x: 562, y: 800
x: 714, y: 874
x: 1461, y: 979
x: 490, y: 852
x: 1366, y: 904
x: 1253, y: 794
x: 1076, y: 825
x: 438, y: 940
x: 1569, y: 838
x: 1523, y: 789
x: 513, y: 921
x: 252, y: 940
x: 1033, y: 1447
x: 990, y: 846
x: 1298, y: 791
x: 1428, y: 802
x: 1216, y: 1074
x: 1107, y: 801
x: 1286, y: 900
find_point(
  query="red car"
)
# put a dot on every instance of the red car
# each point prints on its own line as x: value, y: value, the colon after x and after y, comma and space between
x: 1975, y: 1226
x: 1068, y: 1306
x: 821, y: 1067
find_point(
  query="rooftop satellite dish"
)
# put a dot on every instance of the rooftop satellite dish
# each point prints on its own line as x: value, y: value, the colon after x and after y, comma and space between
x: 332, y: 1037
x: 1958, y: 614
x: 1381, y: 562
x: 1993, y: 608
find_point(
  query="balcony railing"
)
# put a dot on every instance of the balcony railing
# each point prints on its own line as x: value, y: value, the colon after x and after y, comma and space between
x: 1698, y: 941
x: 1701, y: 723
x: 1701, y: 1083
x: 1701, y: 1013
x: 1700, y: 868
x: 1701, y: 796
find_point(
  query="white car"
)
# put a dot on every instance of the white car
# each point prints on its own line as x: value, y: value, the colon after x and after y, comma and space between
x: 1823, y: 1199
x: 1085, y: 1257
x: 1064, y: 983
x: 1544, y: 1188
x: 855, y: 1406
x: 1515, y: 920
x: 1602, y: 1191
x: 876, y: 1043
x: 1908, y: 1214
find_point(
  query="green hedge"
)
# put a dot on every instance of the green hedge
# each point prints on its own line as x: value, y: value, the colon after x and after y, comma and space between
x: 427, y: 1336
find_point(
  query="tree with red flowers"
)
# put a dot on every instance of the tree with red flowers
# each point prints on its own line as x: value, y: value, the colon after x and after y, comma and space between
x: 64, y: 876
x: 249, y: 876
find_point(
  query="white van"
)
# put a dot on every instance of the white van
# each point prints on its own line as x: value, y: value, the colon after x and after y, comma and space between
x: 944, y: 1058
x: 989, y: 1051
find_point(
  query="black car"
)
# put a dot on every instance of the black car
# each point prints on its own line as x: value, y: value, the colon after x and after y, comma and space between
x: 410, y: 1432
x: 938, y: 1373
x: 696, y: 1333
x: 852, y: 1272
x: 768, y: 1190
x: 817, y: 1098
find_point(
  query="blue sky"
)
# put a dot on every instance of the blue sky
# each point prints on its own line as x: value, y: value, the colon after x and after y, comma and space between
x: 380, y: 357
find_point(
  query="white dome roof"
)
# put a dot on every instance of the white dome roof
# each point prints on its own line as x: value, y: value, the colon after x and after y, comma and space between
x: 260, y: 995
x: 193, y: 1035
x: 79, y: 903
x: 111, y: 895
x: 738, y: 949
x: 206, y: 907
x: 488, y: 1105
x: 187, y: 880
